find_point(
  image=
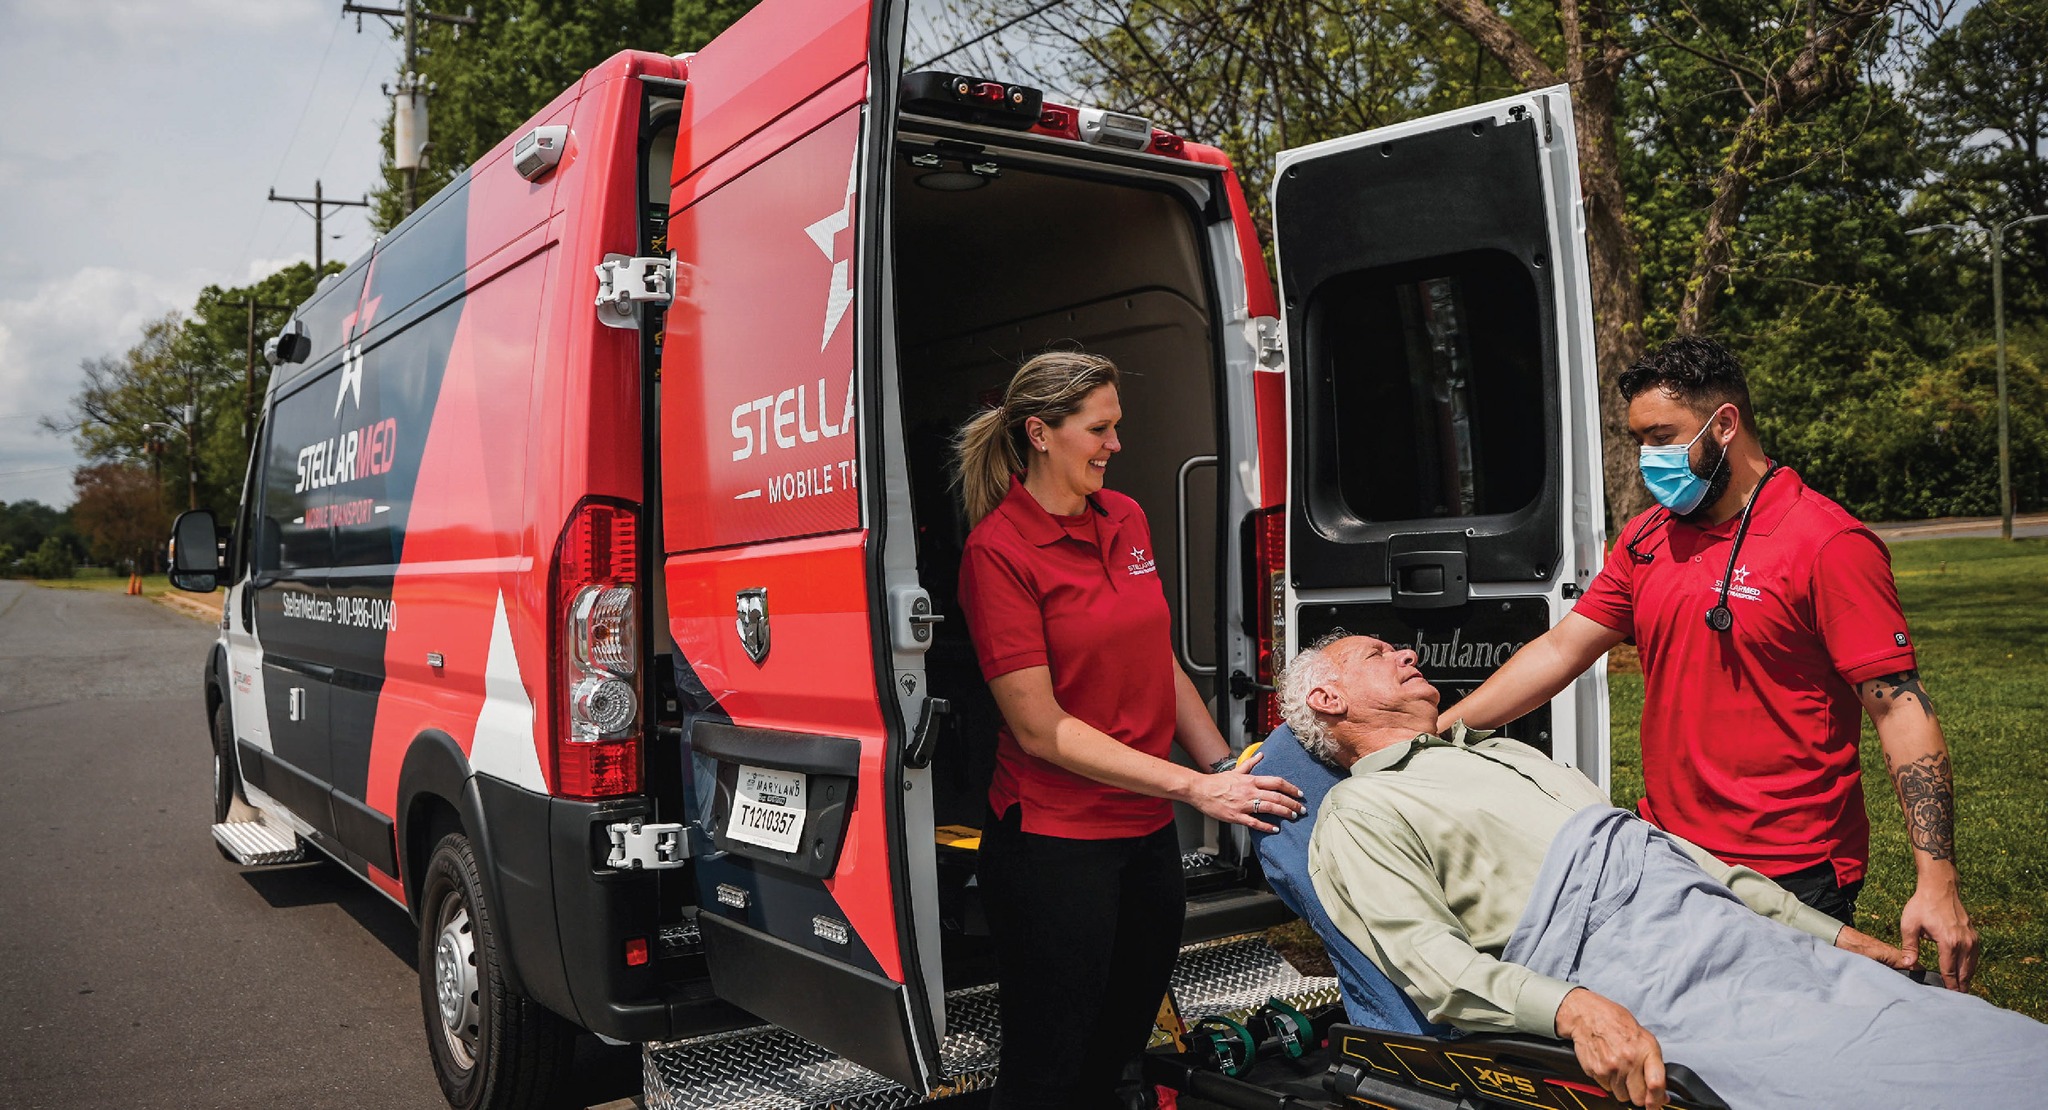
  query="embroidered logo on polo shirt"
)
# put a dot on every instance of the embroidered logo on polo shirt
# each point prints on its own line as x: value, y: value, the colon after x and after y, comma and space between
x: 1140, y: 563
x: 1741, y: 587
x: 1899, y: 638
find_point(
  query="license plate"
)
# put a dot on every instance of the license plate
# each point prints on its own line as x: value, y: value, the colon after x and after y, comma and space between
x: 768, y: 809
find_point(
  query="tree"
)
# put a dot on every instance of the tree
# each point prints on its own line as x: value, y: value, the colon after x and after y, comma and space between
x: 178, y: 397
x: 1983, y: 91
x: 51, y: 560
x: 214, y: 340
x: 521, y: 54
x: 25, y: 524
x: 119, y: 513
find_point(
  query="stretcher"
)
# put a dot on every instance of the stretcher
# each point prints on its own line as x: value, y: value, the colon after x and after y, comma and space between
x: 1279, y: 1058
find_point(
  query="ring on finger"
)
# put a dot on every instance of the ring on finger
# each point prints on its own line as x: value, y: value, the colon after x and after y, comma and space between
x: 1258, y: 805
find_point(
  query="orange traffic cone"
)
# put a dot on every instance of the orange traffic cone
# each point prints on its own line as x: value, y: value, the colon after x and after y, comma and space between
x: 135, y: 585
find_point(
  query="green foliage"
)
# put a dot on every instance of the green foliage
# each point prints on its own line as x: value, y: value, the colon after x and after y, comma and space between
x: 51, y: 560
x: 1983, y: 91
x: 491, y: 78
x: 25, y: 524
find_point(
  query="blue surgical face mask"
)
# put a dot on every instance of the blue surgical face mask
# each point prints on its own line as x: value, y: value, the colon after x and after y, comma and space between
x: 1668, y: 473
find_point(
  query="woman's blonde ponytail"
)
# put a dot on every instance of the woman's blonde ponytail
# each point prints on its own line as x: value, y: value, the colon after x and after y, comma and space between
x: 990, y: 447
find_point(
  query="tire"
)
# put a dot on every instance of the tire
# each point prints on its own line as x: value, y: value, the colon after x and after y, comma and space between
x: 227, y: 780
x: 493, y: 1049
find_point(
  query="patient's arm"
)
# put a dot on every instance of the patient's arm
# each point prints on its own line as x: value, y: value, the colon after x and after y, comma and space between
x: 1863, y: 944
x: 1406, y: 928
x: 1761, y: 894
x: 1613, y: 1047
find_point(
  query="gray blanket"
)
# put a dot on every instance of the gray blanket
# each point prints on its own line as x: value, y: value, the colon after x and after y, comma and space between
x: 1766, y: 1014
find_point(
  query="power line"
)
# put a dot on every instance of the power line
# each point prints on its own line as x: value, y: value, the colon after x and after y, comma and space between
x: 320, y: 205
x: 334, y: 34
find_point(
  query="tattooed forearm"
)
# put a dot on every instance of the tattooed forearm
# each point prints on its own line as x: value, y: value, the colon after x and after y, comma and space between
x: 1927, y: 794
x: 1897, y: 687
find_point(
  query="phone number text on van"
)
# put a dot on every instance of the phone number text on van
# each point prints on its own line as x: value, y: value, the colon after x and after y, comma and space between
x: 349, y: 612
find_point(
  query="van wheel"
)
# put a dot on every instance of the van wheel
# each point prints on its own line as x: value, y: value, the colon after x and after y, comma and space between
x: 227, y: 782
x: 493, y: 1049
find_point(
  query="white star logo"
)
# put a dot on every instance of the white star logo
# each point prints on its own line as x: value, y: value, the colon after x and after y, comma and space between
x: 351, y: 377
x: 1137, y: 554
x: 1741, y: 573
x: 825, y: 233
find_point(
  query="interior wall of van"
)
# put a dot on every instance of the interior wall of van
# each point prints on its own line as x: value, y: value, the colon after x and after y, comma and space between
x: 991, y: 270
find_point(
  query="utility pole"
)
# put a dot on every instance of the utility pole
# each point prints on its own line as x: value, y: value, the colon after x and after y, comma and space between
x: 320, y: 205
x: 1994, y: 245
x: 249, y: 368
x: 409, y: 103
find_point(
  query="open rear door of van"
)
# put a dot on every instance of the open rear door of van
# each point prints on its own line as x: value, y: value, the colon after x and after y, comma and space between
x: 1444, y: 481
x: 812, y: 893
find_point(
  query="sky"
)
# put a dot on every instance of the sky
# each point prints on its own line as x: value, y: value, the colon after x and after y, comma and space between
x: 141, y: 140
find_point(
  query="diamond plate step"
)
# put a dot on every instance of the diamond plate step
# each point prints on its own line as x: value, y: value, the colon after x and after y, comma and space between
x: 768, y: 1068
x: 255, y: 844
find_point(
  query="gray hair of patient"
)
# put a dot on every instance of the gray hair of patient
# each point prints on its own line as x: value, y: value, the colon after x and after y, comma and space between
x: 1311, y: 668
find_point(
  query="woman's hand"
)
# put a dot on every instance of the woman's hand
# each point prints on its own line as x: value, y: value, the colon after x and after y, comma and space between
x: 1239, y: 797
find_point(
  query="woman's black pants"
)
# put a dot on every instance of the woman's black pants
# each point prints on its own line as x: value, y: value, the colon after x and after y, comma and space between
x: 1086, y: 932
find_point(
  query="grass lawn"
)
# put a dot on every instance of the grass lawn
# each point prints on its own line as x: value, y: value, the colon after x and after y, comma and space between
x: 1978, y: 610
x: 99, y: 578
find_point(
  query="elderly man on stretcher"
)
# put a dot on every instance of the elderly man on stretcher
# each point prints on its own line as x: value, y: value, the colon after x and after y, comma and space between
x: 1499, y: 891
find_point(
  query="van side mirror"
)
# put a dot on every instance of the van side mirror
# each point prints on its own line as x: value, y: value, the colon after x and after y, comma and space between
x: 195, y: 552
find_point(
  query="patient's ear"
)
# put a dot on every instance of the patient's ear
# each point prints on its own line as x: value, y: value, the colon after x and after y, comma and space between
x: 1326, y: 699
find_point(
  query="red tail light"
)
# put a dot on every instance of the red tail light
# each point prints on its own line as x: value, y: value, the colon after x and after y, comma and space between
x: 1167, y: 143
x: 1269, y: 612
x: 593, y: 651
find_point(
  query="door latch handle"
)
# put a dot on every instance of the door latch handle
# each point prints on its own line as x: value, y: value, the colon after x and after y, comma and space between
x: 925, y: 736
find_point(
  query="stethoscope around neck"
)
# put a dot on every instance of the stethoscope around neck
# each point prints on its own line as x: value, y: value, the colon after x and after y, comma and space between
x: 1720, y: 618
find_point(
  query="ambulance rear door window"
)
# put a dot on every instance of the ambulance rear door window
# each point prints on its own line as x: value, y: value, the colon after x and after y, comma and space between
x: 1436, y: 388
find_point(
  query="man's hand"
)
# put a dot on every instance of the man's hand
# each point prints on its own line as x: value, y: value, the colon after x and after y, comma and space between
x: 1936, y: 911
x: 1615, y: 1050
x: 1863, y: 944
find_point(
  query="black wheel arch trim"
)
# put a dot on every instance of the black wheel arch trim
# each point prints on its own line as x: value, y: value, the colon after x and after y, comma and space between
x: 436, y: 771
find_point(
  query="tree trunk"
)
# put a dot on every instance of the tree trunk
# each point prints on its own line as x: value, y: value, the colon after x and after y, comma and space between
x: 1614, y: 268
x: 1613, y: 259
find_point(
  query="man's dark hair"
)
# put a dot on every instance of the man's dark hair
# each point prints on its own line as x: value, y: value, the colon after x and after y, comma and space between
x: 1699, y: 372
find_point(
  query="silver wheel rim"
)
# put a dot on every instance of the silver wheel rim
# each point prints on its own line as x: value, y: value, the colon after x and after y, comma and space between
x: 455, y: 986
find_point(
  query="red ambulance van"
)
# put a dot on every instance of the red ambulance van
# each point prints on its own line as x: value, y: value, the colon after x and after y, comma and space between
x: 592, y: 589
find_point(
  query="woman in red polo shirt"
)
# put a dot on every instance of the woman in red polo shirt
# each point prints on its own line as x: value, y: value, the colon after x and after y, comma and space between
x: 1080, y: 867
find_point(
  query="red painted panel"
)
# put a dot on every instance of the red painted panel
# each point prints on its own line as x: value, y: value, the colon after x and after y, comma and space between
x: 758, y: 423
x: 774, y: 58
x: 468, y: 542
x: 818, y: 677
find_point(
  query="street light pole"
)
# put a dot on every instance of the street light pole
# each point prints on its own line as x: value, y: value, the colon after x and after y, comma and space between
x: 1994, y: 245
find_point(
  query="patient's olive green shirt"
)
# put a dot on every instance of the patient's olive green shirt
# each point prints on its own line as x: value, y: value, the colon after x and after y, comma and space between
x: 1427, y: 855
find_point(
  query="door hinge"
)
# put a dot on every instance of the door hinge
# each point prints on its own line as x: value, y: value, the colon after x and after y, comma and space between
x: 625, y: 284
x: 639, y: 846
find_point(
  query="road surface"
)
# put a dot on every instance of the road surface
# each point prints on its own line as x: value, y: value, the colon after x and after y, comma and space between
x: 137, y: 967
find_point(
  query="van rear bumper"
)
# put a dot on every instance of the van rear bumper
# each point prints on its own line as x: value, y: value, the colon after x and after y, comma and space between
x: 563, y: 921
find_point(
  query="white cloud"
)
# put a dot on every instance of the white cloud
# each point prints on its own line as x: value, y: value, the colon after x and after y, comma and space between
x: 97, y: 310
